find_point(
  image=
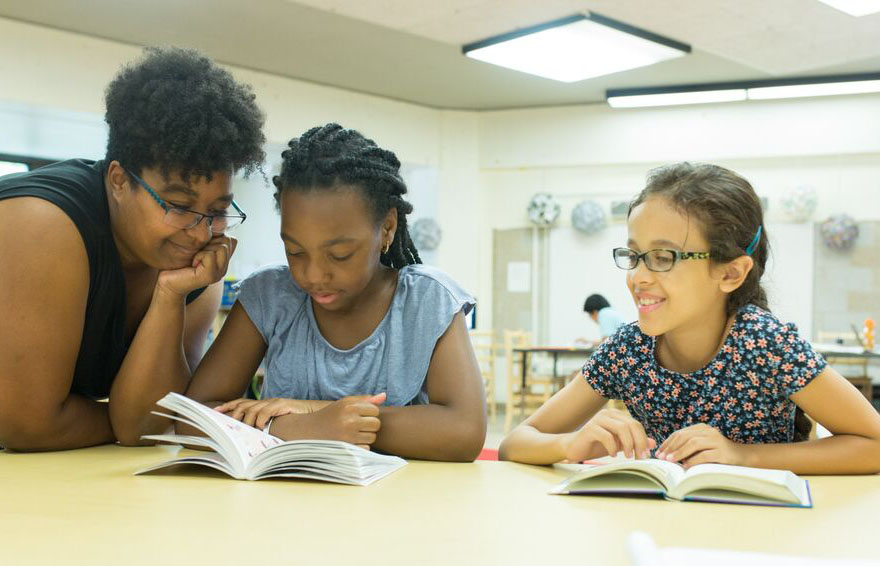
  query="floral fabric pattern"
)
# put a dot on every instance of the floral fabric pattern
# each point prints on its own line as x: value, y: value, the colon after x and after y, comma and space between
x: 743, y: 392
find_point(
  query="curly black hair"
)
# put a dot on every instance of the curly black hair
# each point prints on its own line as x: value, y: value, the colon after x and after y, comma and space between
x: 326, y: 156
x: 177, y: 110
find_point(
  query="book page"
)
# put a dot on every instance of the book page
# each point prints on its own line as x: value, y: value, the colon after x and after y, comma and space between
x: 328, y: 460
x: 775, y: 485
x: 245, y: 452
x: 668, y: 474
x: 245, y: 442
x: 772, y: 476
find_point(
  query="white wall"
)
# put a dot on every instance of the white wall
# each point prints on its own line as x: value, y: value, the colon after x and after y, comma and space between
x: 51, y: 105
x: 489, y: 164
x: 594, y: 152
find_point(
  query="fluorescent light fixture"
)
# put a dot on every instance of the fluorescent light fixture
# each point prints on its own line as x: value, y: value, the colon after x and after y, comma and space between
x: 744, y: 90
x: 820, y: 89
x: 857, y: 8
x: 576, y: 48
x: 675, y: 98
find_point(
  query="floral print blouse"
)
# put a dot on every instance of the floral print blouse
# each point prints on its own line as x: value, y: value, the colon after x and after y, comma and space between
x: 743, y: 392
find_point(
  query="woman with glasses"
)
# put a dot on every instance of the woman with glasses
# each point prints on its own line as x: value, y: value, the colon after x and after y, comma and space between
x: 111, y: 269
x: 707, y: 373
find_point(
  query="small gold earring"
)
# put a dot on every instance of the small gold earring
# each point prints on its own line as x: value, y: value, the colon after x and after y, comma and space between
x: 386, y: 248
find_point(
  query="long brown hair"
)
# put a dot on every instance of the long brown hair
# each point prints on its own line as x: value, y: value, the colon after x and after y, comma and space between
x: 729, y: 212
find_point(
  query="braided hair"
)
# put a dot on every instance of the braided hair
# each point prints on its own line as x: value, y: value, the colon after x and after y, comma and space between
x: 326, y: 156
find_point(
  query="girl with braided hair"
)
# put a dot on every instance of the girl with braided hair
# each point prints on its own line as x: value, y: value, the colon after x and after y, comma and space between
x: 361, y: 342
x: 708, y: 374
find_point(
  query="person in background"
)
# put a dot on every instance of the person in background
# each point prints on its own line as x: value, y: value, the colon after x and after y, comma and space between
x: 599, y: 310
x: 112, y: 269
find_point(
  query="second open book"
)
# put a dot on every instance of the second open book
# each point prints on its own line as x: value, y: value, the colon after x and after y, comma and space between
x: 717, y: 483
x: 245, y: 452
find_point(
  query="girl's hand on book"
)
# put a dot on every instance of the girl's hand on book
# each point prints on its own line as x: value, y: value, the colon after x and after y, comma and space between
x: 701, y: 444
x: 257, y: 413
x: 351, y: 419
x: 615, y: 431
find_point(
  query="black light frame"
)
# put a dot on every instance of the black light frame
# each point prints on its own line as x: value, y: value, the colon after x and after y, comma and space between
x: 593, y: 17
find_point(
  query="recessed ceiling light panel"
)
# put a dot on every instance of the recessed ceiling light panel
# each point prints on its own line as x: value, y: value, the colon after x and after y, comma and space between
x: 576, y: 48
x: 857, y: 8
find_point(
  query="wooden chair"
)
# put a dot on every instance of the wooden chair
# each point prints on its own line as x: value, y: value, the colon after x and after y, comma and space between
x: 855, y: 370
x: 483, y: 342
x: 538, y: 388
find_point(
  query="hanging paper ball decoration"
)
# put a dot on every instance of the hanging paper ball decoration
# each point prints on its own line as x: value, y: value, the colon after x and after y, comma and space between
x: 543, y: 209
x: 426, y: 234
x: 799, y: 203
x: 839, y: 232
x: 588, y: 217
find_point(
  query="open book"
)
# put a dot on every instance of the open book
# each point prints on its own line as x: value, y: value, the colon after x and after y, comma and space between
x: 247, y: 453
x: 716, y: 483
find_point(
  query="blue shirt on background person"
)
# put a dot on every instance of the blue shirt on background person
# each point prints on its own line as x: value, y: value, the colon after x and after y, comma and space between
x: 608, y: 319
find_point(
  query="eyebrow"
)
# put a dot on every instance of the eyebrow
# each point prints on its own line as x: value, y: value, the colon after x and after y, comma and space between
x: 326, y: 244
x: 180, y: 189
x: 176, y: 188
x: 655, y: 243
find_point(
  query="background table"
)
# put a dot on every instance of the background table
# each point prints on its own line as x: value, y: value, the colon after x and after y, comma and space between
x: 836, y: 354
x: 555, y: 352
x: 86, y: 507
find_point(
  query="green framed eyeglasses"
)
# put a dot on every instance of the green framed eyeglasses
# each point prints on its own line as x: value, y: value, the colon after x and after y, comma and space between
x: 185, y: 218
x: 655, y: 260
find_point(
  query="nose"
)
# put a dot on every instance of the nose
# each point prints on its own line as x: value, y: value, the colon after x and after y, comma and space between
x: 314, y: 272
x: 201, y: 232
x: 641, y: 273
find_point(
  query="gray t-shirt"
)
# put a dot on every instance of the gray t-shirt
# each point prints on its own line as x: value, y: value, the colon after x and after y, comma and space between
x: 301, y: 364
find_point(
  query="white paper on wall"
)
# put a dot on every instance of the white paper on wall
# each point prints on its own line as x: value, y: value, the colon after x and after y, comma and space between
x: 519, y: 277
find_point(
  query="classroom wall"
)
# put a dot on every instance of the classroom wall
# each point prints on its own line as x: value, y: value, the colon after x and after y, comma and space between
x: 595, y: 152
x: 485, y: 166
x: 51, y: 105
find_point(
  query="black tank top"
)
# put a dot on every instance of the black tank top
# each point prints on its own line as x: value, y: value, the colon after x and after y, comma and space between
x: 77, y: 187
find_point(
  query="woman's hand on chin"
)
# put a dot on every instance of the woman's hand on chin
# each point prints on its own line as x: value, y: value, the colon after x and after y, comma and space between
x: 209, y: 265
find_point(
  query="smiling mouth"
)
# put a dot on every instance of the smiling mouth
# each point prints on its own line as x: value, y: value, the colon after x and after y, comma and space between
x: 646, y: 304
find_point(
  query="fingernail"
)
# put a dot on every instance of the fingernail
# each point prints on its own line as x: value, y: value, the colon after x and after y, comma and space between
x: 646, y: 454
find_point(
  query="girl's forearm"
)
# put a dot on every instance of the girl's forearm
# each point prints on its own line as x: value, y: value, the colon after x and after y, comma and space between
x: 528, y: 445
x: 841, y: 454
x: 431, y: 432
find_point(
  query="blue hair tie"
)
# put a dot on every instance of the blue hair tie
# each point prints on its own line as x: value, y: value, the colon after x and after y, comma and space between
x: 755, y: 241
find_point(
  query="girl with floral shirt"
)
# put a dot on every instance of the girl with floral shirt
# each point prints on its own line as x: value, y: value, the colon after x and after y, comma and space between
x: 707, y: 373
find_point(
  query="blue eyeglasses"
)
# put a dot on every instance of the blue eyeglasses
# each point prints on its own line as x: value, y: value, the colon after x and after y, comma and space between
x: 185, y: 219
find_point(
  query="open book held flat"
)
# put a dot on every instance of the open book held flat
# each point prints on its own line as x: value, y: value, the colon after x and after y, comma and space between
x: 245, y: 452
x: 716, y: 483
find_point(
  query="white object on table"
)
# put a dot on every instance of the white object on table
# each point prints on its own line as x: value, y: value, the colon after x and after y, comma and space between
x: 644, y: 552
